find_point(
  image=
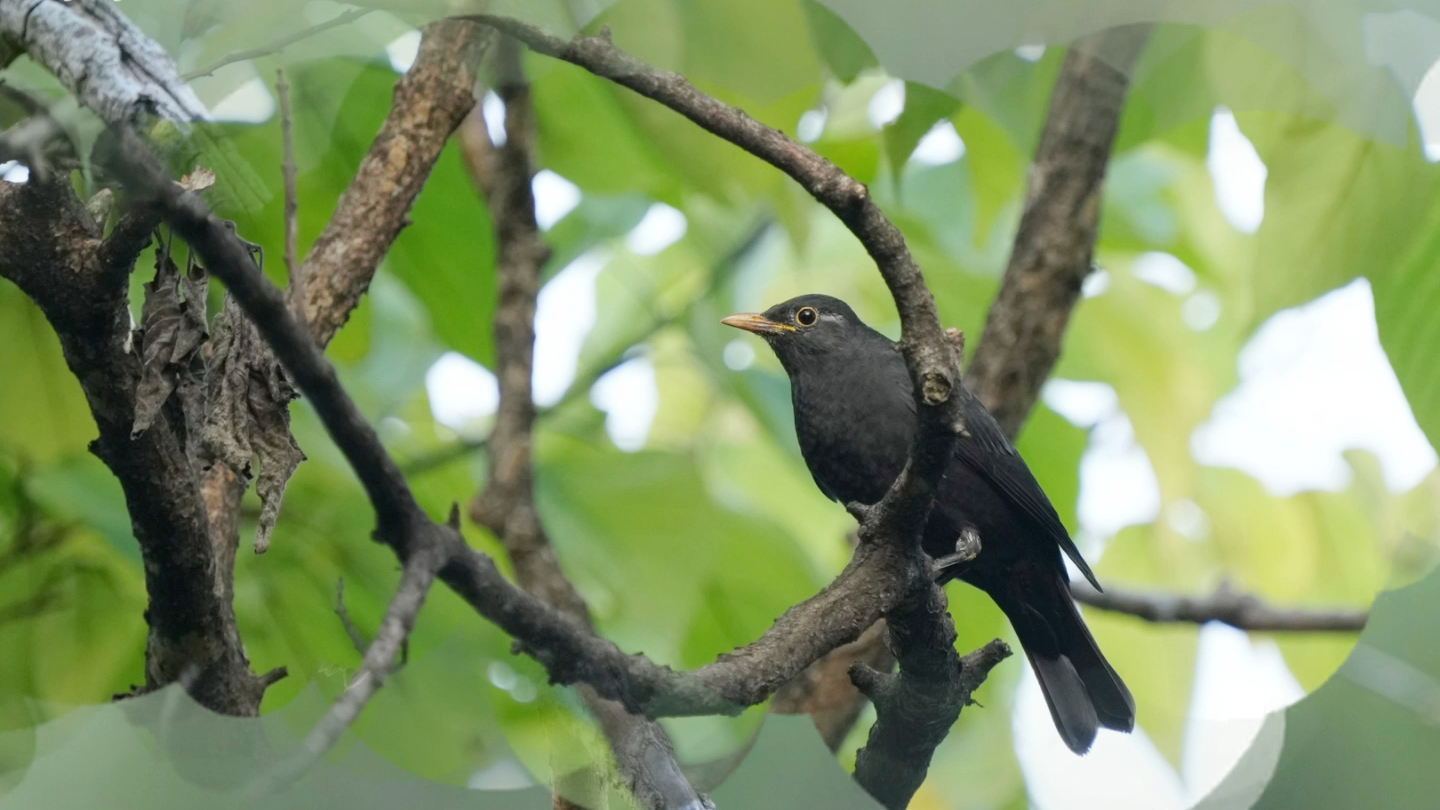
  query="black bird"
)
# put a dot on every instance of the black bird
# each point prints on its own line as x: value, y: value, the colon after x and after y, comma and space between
x: 855, y: 420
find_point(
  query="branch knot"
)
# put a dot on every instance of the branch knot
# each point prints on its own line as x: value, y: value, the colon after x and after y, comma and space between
x: 937, y: 388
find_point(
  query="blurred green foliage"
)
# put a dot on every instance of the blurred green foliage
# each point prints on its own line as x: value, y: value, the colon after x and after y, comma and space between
x: 693, y: 545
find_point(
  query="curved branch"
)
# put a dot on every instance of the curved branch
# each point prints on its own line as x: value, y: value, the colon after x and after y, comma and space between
x: 927, y: 353
x: 1240, y: 610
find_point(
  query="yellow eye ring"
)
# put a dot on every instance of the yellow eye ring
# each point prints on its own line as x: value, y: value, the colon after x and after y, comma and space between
x: 806, y: 316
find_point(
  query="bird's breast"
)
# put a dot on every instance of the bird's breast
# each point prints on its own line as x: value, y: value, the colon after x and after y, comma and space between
x: 855, y: 445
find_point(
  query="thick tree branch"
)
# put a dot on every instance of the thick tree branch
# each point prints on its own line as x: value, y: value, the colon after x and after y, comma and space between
x: 916, y: 708
x: 506, y: 506
x: 825, y: 691
x: 55, y: 255
x: 430, y: 102
x: 103, y: 58
x: 1053, y: 247
x: 1240, y: 610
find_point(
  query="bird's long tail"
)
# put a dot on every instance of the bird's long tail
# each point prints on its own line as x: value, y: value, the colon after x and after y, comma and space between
x: 1081, y: 689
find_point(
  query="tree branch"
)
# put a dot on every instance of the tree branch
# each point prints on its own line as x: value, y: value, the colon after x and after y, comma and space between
x: 915, y: 709
x: 430, y: 102
x: 506, y: 506
x: 287, y: 172
x: 380, y: 656
x: 1055, y: 242
x: 103, y: 58
x: 1239, y: 610
x: 55, y: 255
x: 825, y: 690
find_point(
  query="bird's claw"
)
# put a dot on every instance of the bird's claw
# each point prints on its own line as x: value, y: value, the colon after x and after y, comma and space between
x: 967, y: 544
x: 967, y: 548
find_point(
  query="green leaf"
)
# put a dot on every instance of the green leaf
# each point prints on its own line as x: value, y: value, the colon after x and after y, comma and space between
x: 1406, y: 300
x: 759, y: 49
x: 844, y: 52
x: 997, y: 170
x: 924, y: 106
x: 446, y: 257
x: 586, y: 136
x: 1381, y: 698
x: 82, y: 488
x: 43, y: 413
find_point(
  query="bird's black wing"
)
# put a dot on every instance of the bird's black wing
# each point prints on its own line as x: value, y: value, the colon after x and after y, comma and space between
x: 989, y: 453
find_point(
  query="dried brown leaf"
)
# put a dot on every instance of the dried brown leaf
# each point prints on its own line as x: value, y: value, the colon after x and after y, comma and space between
x: 198, y: 180
x: 172, y: 332
x: 249, y: 416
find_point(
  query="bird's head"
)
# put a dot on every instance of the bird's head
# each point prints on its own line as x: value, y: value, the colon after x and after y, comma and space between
x: 805, y: 326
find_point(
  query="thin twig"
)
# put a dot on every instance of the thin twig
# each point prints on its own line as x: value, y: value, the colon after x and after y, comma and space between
x: 288, y: 170
x: 356, y: 637
x: 1240, y: 610
x: 422, y: 464
x: 395, y: 628
x: 278, y: 45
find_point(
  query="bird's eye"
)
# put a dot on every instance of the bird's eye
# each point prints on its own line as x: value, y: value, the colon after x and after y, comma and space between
x: 807, y: 316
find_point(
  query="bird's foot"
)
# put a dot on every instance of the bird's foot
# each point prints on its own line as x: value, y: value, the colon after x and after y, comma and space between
x: 967, y: 548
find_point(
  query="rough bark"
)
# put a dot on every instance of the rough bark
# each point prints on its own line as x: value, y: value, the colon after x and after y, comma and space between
x: 55, y: 255
x: 103, y: 58
x: 1025, y: 328
x: 430, y: 102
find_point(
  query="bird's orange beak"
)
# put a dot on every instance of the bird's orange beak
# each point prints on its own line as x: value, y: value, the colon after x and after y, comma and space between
x: 759, y: 324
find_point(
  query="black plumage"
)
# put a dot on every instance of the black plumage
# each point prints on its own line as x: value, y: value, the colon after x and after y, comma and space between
x: 855, y: 421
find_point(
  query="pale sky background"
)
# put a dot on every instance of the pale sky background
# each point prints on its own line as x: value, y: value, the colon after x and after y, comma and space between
x: 1264, y: 427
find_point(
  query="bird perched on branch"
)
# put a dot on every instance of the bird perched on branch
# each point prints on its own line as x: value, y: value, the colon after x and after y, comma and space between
x: 855, y: 418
